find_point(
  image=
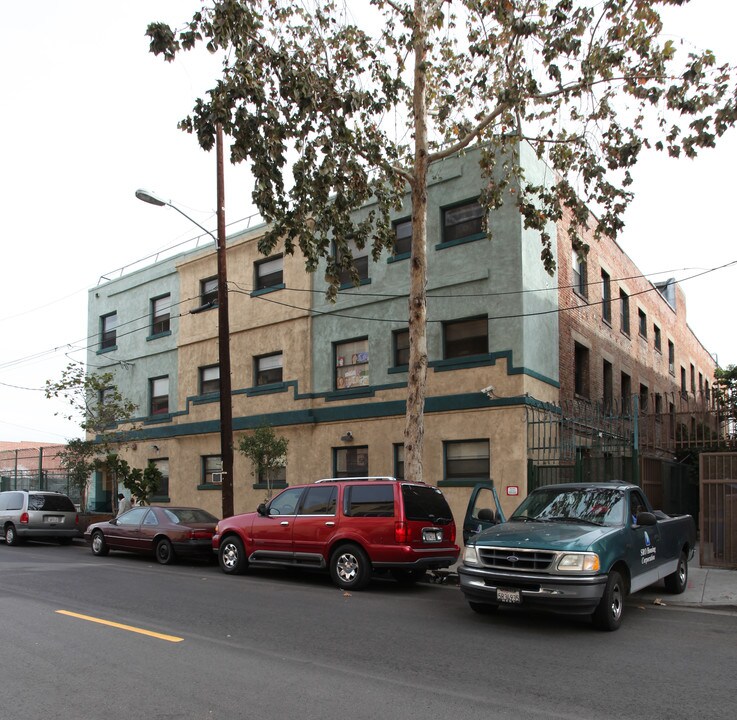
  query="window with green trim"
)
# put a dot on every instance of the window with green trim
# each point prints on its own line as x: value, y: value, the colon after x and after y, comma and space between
x: 462, y: 222
x: 466, y: 459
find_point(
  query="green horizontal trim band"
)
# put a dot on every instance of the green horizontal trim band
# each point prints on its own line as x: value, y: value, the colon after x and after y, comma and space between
x: 158, y: 335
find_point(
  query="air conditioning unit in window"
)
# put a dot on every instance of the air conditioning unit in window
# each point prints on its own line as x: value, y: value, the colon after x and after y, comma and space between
x: 217, y: 477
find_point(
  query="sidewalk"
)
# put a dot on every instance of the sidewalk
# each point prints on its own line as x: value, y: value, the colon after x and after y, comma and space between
x: 712, y: 588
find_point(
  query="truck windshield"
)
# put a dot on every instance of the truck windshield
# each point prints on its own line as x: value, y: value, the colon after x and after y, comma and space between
x: 601, y: 506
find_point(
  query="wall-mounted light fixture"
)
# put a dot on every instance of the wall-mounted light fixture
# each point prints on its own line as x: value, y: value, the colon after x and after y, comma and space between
x: 155, y: 448
x: 348, y: 437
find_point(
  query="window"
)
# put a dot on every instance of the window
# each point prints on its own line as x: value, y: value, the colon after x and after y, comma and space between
x: 212, y: 469
x: 159, y: 392
x: 683, y: 380
x: 285, y: 503
x: 319, y: 500
x: 606, y: 297
x: 399, y: 461
x: 209, y: 379
x: 626, y: 391
x: 671, y: 358
x: 162, y: 464
x: 209, y: 291
x: 269, y: 369
x: 580, y: 281
x: 277, y: 477
x: 462, y: 338
x: 401, y: 347
x: 624, y: 311
x: 693, y: 380
x: 463, y: 222
x: 608, y: 387
x: 466, y: 459
x: 642, y: 322
x: 658, y: 405
x: 107, y: 395
x: 656, y: 338
x: 351, y: 364
x: 160, y: 314
x: 270, y: 273
x: 581, y: 369
x: 351, y: 461
x: 403, y: 237
x: 108, y: 325
x: 369, y: 500
x: 701, y: 384
x: 360, y: 260
x: 643, y: 398
x: 132, y: 518
x: 706, y: 390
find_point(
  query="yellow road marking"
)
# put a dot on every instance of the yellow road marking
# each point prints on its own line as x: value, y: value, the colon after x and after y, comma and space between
x: 129, y: 628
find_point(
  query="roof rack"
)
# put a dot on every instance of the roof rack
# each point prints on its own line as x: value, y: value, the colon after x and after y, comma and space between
x: 353, y: 479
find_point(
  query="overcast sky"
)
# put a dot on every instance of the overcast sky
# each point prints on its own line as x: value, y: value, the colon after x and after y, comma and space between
x: 89, y: 115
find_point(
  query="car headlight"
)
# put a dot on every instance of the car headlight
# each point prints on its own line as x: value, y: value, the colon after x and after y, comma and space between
x: 470, y: 556
x: 579, y: 562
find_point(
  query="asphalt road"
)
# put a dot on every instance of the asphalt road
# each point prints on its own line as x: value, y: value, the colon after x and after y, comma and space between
x: 288, y: 645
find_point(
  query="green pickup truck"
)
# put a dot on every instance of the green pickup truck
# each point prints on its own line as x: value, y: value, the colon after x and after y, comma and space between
x: 574, y: 548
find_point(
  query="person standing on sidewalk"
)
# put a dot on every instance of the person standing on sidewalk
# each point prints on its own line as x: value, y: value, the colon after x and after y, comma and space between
x: 123, y: 504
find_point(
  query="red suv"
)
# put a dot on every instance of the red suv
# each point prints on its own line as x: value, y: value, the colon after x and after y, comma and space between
x: 350, y: 526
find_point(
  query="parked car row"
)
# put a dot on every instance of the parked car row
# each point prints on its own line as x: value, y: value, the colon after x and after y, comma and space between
x: 577, y: 548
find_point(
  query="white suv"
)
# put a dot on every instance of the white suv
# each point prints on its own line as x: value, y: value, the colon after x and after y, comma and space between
x: 37, y: 514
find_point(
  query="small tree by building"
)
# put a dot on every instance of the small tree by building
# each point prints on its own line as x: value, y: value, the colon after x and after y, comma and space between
x: 267, y: 453
x: 105, y: 416
x: 77, y: 458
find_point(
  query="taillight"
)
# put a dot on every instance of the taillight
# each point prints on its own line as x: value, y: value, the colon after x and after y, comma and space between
x: 401, y: 532
x: 200, y: 534
x: 24, y: 518
x: 450, y: 531
x: 76, y: 520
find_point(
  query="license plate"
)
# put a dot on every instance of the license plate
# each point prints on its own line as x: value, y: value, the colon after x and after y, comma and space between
x: 432, y: 535
x: 52, y: 519
x: 508, y: 596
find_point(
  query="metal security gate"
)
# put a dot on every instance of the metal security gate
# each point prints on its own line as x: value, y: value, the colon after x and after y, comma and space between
x: 718, y: 522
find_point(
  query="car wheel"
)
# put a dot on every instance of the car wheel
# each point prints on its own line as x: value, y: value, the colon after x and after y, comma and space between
x: 408, y: 577
x: 676, y: 582
x: 483, y: 608
x: 164, y: 552
x: 11, y: 536
x: 232, y: 556
x: 608, y: 614
x: 99, y: 546
x: 350, y: 567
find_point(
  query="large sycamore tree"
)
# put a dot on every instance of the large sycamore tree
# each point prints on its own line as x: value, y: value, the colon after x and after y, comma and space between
x: 336, y: 103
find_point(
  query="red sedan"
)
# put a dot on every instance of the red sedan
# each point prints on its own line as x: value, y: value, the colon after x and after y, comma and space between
x: 167, y: 532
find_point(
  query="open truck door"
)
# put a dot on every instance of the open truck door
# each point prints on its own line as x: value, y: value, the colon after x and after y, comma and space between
x: 484, y: 510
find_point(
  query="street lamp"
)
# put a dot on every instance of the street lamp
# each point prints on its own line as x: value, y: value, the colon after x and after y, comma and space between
x: 226, y: 406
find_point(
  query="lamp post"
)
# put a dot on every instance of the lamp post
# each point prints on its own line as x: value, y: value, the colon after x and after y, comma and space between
x: 226, y: 406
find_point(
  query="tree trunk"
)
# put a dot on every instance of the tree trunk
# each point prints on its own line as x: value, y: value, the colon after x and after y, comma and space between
x: 414, y: 429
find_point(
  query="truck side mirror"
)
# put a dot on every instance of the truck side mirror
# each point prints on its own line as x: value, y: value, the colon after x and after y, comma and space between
x: 261, y: 509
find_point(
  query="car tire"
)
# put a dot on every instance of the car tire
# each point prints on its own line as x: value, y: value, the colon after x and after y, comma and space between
x: 164, y: 552
x: 350, y: 567
x: 483, y: 608
x: 98, y: 544
x: 232, y: 556
x: 676, y: 582
x: 11, y: 535
x: 408, y: 577
x: 608, y: 614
